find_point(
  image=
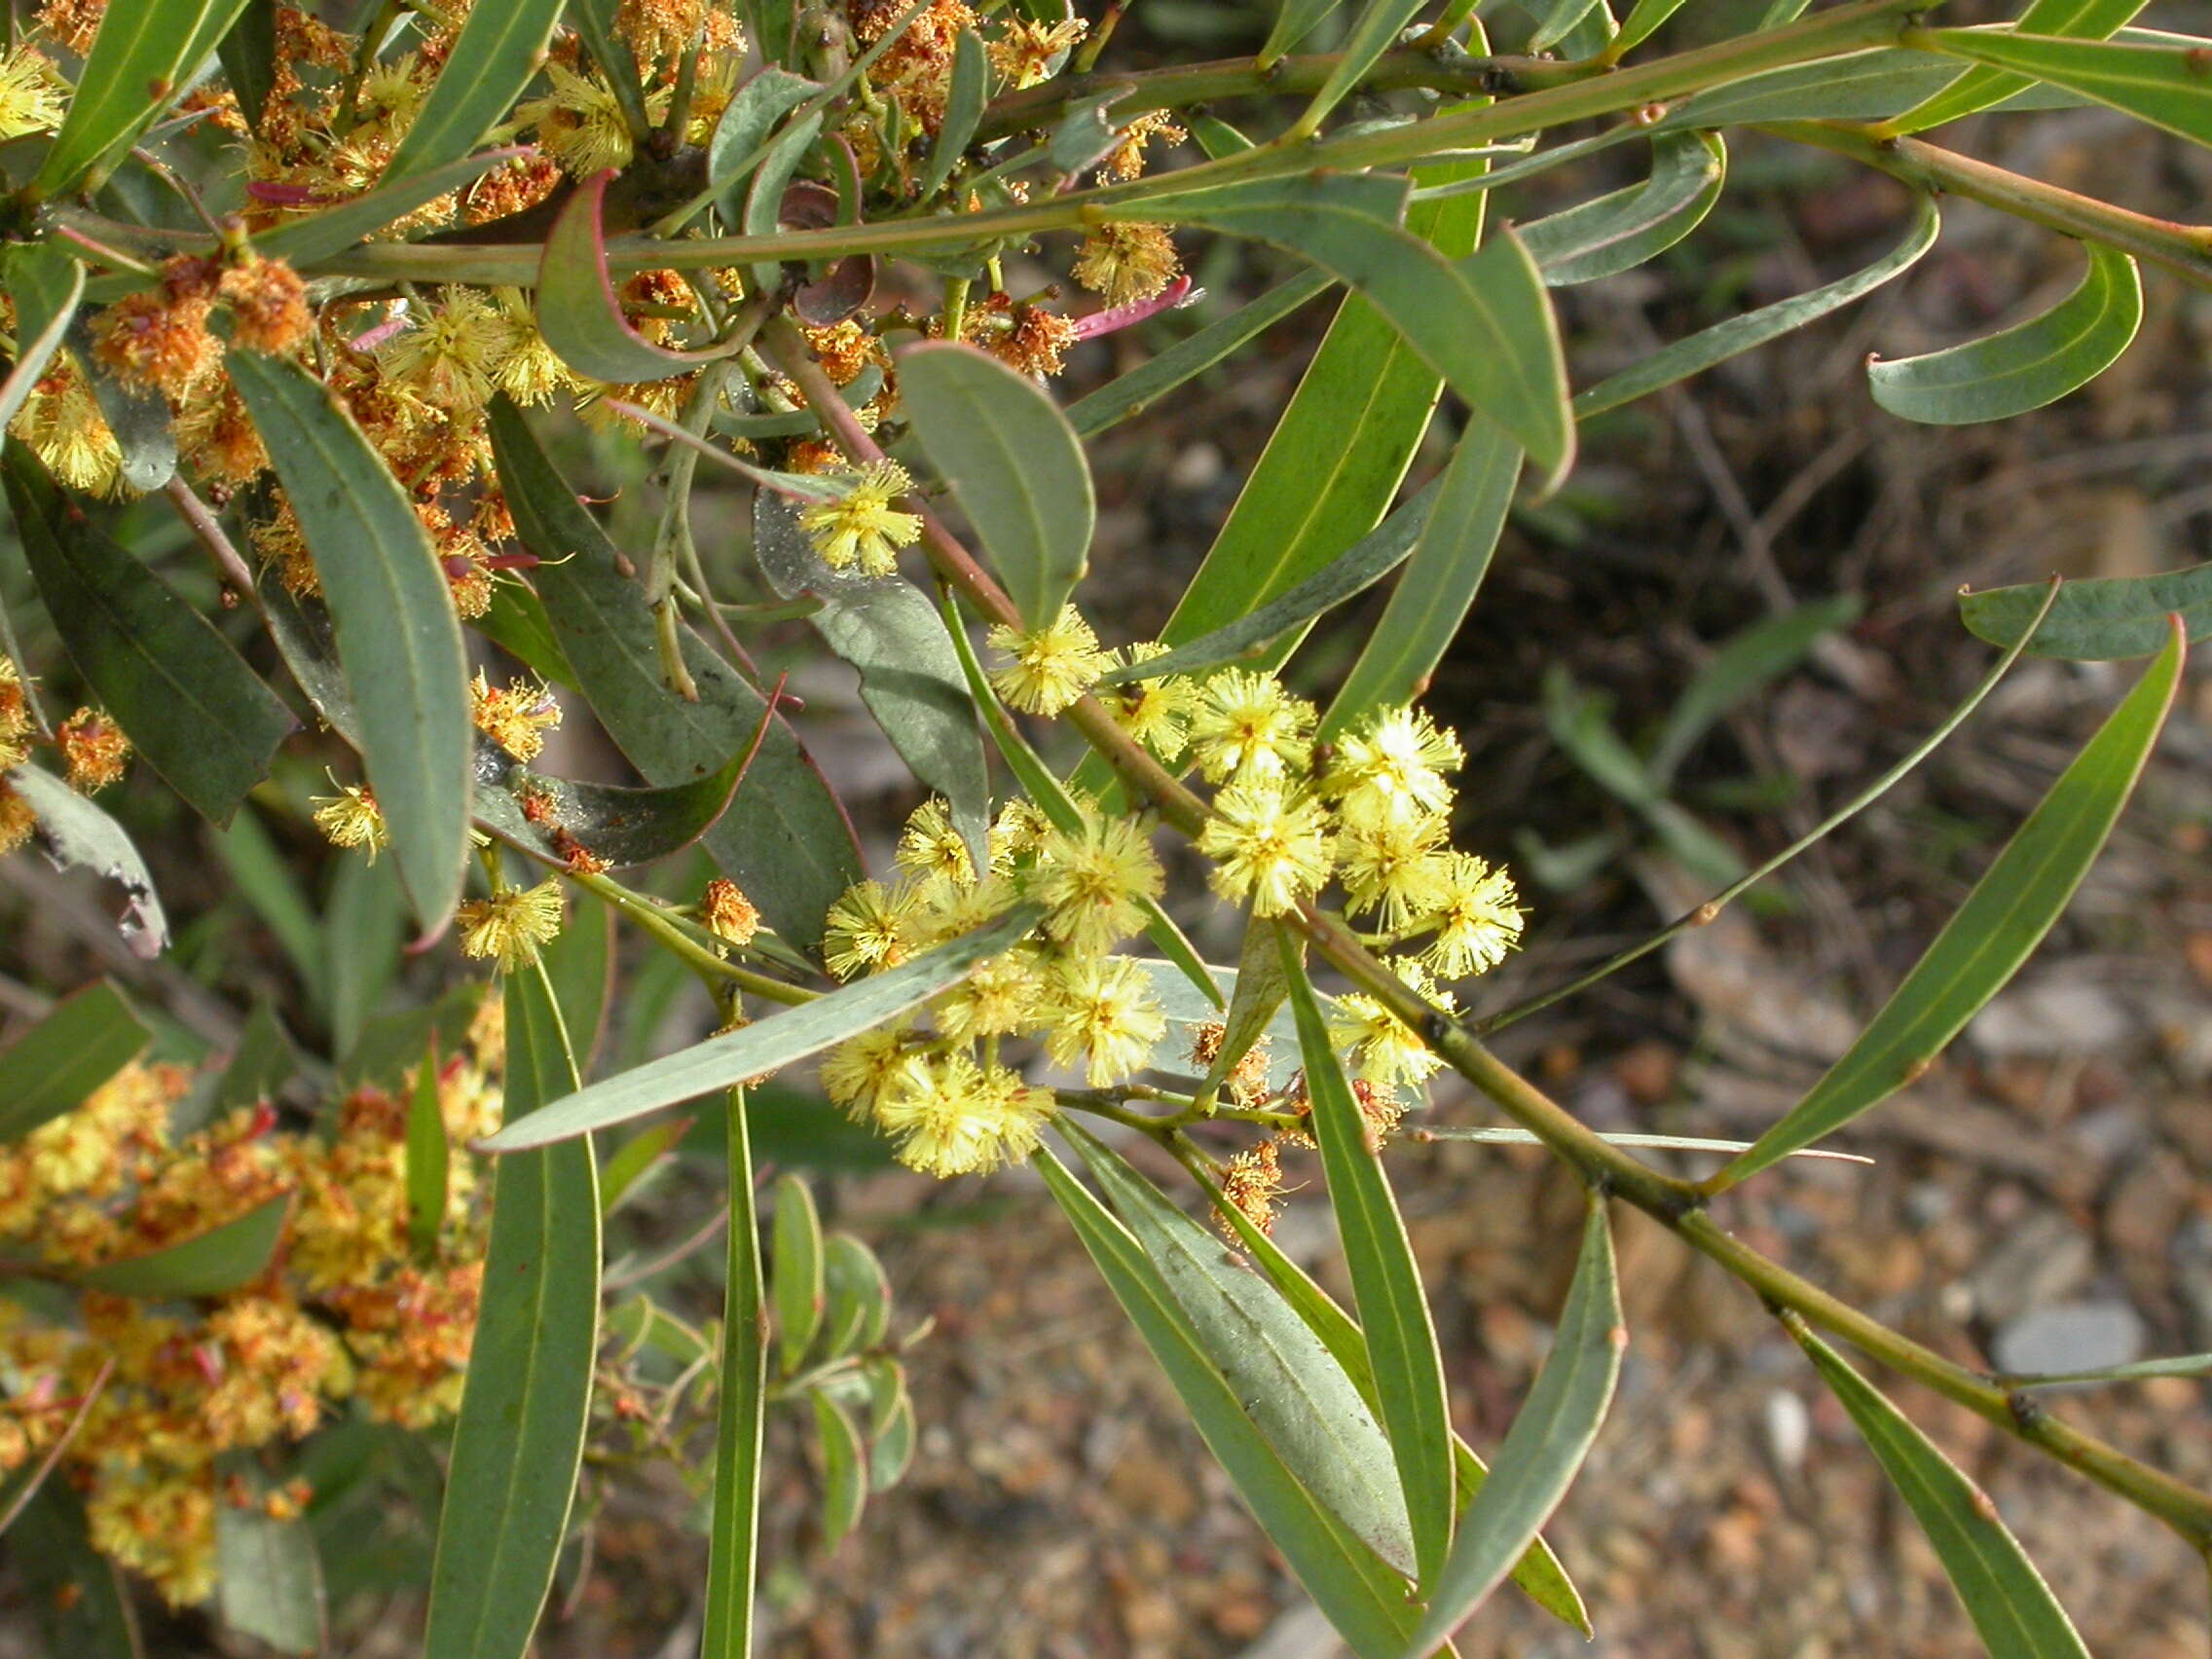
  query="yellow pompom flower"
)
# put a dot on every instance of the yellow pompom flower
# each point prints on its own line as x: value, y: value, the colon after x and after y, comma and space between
x: 1052, y: 666
x: 859, y: 1074
x: 861, y: 526
x: 451, y: 356
x: 514, y: 716
x: 1394, y: 866
x: 30, y: 93
x: 932, y: 845
x: 953, y: 1117
x: 580, y: 122
x: 1094, y: 882
x: 1270, y: 847
x: 866, y: 930
x: 1127, y: 261
x: 1478, y: 918
x: 1105, y: 1016
x: 352, y: 818
x: 1156, y: 713
x: 510, y: 925
x: 1382, y: 1050
x: 1247, y: 728
x: 1393, y: 766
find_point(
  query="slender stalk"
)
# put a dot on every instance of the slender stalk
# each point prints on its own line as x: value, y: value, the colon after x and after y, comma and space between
x: 207, y: 530
x: 715, y: 970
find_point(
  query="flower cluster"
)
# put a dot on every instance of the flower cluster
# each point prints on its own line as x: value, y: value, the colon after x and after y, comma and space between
x: 143, y: 1396
x: 92, y: 748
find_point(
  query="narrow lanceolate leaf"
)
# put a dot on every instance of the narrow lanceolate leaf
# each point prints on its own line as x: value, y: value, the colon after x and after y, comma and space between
x: 1745, y: 662
x: 1359, y: 1595
x: 548, y: 817
x: 963, y: 111
x: 1385, y: 1282
x: 46, y: 284
x: 1538, y: 1573
x: 795, y: 1274
x: 1699, y: 352
x: 497, y: 51
x: 1352, y: 572
x: 1294, y: 1391
x: 519, y: 1439
x: 1620, y: 231
x: 1484, y: 323
x: 339, y: 226
x: 186, y: 699
x: 1135, y: 391
x: 1297, y: 20
x: 429, y: 1158
x: 1375, y: 33
x: 733, y: 1544
x: 2097, y: 620
x: 741, y: 137
x: 1555, y: 21
x: 1261, y: 984
x: 1443, y: 573
x: 1544, y: 1448
x: 2003, y: 920
x: 1340, y: 450
x: 248, y: 55
x: 580, y: 965
x: 2026, y: 366
x: 1642, y: 21
x: 85, y: 1039
x: 1013, y: 465
x: 577, y: 310
x: 263, y: 1062
x: 910, y: 677
x: 784, y: 840
x: 2011, y: 1605
x: 767, y: 1045
x: 214, y: 1262
x: 2165, y: 85
x: 1978, y: 89
x: 72, y: 832
x: 135, y: 70
x: 268, y: 1577
x: 398, y: 640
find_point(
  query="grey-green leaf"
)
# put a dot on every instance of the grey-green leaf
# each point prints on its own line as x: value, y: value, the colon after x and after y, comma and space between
x: 268, y: 1577
x: 136, y: 69
x: 519, y: 1438
x: 72, y: 831
x: 578, y: 311
x: 2011, y: 1605
x: 963, y: 111
x: 428, y: 1159
x: 187, y: 701
x: 784, y: 840
x: 2026, y: 366
x: 495, y: 57
x: 2003, y: 918
x: 2165, y: 86
x: 767, y: 1045
x: 1978, y: 89
x: 795, y: 1274
x: 1620, y: 231
x: 1375, y: 33
x: 84, y: 1039
x: 733, y: 1545
x: 214, y: 1262
x: 76, y: 1594
x: 856, y: 1297
x: 1294, y: 1390
x: 1385, y: 1281
x: 1699, y: 352
x: 1361, y: 1596
x: 1748, y: 660
x: 1013, y: 465
x: 1131, y: 393
x: 1642, y: 21
x: 844, y: 1470
x: 46, y: 284
x: 398, y: 640
x: 2097, y: 620
x: 1545, y: 1447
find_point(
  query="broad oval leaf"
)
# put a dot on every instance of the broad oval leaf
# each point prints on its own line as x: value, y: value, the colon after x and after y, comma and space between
x: 858, y: 1297
x: 519, y: 1438
x: 1385, y: 1282
x: 339, y: 226
x: 2100, y: 619
x: 785, y: 840
x: 910, y: 676
x: 550, y: 817
x: 577, y: 310
x: 767, y: 1045
x: 1444, y: 571
x: 1484, y: 323
x: 2011, y: 1605
x: 84, y: 1039
x: 1699, y: 352
x: 1013, y: 465
x: 1978, y: 89
x: 214, y: 1262
x: 139, y: 417
x: 73, y: 833
x: 1287, y: 1381
x: 1544, y: 1448
x: 2026, y: 366
x: 46, y: 285
x: 496, y: 53
x: 741, y: 137
x: 891, y: 1429
x: 1620, y: 231
x: 844, y: 1469
x: 796, y: 1272
x: 734, y: 1540
x: 2003, y: 918
x: 268, y: 1575
x: 136, y: 69
x: 190, y: 705
x: 397, y: 638
x: 1361, y: 1596
x: 2165, y: 85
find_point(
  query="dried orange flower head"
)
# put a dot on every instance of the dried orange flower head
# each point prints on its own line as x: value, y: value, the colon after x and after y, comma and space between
x: 94, y: 747
x: 269, y: 306
x: 727, y: 913
x: 1252, y: 1185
